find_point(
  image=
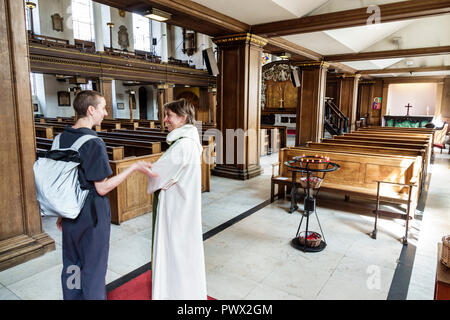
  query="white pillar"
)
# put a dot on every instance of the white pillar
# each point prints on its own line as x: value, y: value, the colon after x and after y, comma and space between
x: 98, y: 27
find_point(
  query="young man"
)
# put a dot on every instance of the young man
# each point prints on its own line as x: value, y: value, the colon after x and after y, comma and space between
x: 86, y: 238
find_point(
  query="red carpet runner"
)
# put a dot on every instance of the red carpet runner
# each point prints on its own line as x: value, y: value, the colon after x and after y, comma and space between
x: 139, y: 288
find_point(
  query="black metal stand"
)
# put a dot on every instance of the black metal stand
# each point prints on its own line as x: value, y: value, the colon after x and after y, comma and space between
x: 306, y: 165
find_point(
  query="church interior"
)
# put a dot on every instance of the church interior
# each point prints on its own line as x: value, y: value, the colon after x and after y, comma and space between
x: 349, y: 98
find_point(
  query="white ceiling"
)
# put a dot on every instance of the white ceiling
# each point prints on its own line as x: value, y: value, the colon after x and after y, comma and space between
x: 415, y: 74
x: 417, y: 33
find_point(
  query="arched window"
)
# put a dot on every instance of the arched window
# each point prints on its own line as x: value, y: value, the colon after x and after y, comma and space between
x: 83, y: 20
x: 141, y: 32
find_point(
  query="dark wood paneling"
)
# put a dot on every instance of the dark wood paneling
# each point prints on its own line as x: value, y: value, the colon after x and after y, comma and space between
x: 310, y: 112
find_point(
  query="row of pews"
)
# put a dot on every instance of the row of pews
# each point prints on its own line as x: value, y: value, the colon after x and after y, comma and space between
x: 127, y: 142
x: 379, y: 164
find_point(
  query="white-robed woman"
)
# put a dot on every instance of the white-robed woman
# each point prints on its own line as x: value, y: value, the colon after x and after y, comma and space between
x: 178, y: 262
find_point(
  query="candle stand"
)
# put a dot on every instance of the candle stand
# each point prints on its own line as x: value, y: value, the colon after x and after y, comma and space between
x: 312, y: 170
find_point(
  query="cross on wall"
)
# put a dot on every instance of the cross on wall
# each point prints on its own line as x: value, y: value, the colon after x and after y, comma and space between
x: 408, y: 106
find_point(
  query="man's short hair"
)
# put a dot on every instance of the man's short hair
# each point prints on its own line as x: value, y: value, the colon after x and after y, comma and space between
x: 84, y: 99
x: 182, y: 107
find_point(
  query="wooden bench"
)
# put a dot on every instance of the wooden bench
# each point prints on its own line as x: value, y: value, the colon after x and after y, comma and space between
x: 375, y: 150
x: 114, y: 152
x: 130, y: 198
x: 43, y: 131
x: 391, y: 138
x: 360, y: 175
x: 426, y: 157
x: 281, y: 132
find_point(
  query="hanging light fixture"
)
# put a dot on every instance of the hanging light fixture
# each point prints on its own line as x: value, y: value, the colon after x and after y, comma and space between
x: 158, y: 15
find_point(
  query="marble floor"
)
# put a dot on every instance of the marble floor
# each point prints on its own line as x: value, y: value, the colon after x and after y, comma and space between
x: 253, y: 258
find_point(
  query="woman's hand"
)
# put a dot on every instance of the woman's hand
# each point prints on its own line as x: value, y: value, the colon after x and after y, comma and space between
x: 144, y: 167
x: 59, y: 224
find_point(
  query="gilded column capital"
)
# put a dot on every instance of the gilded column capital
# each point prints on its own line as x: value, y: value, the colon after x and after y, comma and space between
x: 240, y: 38
x: 313, y: 64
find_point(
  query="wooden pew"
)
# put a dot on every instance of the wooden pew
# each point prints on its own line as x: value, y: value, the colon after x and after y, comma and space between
x: 381, y: 150
x: 387, y: 138
x: 397, y: 136
x: 114, y: 152
x: 134, y: 147
x: 43, y: 131
x: 358, y: 177
x: 281, y: 131
x: 146, y: 123
x: 263, y: 142
x: 130, y: 199
x: 401, y: 145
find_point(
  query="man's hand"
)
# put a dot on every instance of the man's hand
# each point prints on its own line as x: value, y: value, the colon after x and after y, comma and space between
x: 59, y: 223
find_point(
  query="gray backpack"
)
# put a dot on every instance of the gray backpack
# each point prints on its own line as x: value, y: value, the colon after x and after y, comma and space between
x: 56, y: 176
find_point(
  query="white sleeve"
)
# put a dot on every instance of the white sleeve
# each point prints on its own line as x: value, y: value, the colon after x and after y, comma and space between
x: 169, y: 167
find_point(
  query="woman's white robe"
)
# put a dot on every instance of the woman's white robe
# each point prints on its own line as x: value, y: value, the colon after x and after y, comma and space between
x: 178, y: 262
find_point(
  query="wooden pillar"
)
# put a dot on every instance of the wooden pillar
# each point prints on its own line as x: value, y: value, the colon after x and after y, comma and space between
x: 239, y: 95
x: 348, y: 100
x: 160, y: 100
x: 384, y: 102
x: 130, y: 106
x: 445, y: 101
x: 212, y: 103
x: 21, y: 234
x: 107, y: 91
x: 310, y: 112
x: 165, y: 95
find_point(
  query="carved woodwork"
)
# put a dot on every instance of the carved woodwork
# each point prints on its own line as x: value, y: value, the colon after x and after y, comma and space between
x: 277, y: 90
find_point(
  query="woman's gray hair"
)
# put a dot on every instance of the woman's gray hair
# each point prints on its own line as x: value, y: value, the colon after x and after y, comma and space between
x: 182, y: 107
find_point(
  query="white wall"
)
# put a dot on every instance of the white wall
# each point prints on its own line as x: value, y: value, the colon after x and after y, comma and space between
x: 127, y: 21
x: 123, y: 97
x: 418, y: 95
x: 49, y: 7
x: 203, y: 42
x: 51, y: 88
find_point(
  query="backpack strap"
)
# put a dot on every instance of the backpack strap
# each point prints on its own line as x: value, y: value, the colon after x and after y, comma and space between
x: 81, y: 140
x: 55, y: 144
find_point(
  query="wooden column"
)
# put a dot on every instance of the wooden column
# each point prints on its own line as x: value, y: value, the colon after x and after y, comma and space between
x: 21, y: 234
x: 165, y: 95
x: 130, y: 106
x: 212, y: 103
x: 349, y: 97
x: 445, y: 102
x: 384, y: 101
x: 238, y: 95
x: 310, y: 112
x: 107, y: 91
x: 367, y: 91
